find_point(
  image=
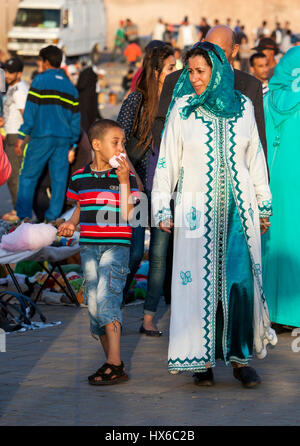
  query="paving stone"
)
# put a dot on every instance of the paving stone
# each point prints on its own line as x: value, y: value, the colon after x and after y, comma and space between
x: 43, y: 381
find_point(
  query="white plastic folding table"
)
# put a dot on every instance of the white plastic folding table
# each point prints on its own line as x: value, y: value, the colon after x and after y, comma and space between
x: 53, y: 255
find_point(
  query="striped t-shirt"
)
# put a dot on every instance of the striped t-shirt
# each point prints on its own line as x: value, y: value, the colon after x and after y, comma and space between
x: 100, y: 214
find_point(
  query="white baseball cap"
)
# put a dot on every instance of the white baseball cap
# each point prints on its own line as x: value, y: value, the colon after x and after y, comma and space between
x: 98, y: 70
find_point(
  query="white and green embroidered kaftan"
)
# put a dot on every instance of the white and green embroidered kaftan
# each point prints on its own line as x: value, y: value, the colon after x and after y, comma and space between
x: 221, y: 172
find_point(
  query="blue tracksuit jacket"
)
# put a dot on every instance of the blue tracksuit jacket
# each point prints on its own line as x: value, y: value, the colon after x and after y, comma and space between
x: 52, y: 108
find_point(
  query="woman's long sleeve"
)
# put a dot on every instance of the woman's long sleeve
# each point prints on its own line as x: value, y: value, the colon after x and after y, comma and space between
x: 258, y: 171
x: 127, y: 114
x: 167, y: 169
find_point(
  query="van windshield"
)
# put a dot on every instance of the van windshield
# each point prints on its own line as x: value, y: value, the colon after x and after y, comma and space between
x: 38, y: 18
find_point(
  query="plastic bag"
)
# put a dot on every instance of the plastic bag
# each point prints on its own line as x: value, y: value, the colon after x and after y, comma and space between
x: 29, y: 237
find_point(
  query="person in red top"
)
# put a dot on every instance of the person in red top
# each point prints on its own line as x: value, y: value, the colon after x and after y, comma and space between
x: 133, y: 53
x: 5, y: 167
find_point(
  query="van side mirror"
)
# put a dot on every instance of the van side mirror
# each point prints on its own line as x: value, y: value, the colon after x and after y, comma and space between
x: 66, y: 18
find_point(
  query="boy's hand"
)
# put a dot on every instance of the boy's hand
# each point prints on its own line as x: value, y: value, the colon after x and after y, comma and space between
x: 66, y: 229
x: 123, y: 170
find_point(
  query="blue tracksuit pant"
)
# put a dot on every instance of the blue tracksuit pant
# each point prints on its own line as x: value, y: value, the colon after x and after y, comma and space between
x: 38, y: 153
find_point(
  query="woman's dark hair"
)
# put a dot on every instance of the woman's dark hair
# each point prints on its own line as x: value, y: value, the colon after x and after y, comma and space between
x: 197, y: 52
x: 148, y: 85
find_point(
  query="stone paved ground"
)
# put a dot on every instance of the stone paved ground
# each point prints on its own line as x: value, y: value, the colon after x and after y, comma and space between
x: 43, y: 381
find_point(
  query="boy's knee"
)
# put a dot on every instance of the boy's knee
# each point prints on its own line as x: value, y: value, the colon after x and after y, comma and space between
x: 113, y: 326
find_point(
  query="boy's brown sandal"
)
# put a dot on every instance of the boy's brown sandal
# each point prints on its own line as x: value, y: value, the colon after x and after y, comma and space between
x: 117, y: 375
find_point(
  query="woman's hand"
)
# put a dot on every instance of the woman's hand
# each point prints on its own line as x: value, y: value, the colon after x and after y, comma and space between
x: 264, y: 224
x: 166, y: 225
x: 66, y: 229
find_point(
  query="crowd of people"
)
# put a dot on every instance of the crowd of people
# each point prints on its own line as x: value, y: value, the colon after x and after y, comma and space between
x: 268, y: 42
x: 198, y: 152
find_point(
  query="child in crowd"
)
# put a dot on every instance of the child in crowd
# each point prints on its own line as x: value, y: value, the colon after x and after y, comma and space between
x: 105, y: 199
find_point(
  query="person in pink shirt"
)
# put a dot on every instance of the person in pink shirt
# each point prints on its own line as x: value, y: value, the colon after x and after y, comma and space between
x: 5, y: 167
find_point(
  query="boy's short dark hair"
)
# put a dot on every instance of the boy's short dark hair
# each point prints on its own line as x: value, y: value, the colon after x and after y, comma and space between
x: 100, y: 127
x: 53, y: 55
x: 256, y: 56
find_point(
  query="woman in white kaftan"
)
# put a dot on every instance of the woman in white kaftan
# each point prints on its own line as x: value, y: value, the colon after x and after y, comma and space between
x: 211, y: 149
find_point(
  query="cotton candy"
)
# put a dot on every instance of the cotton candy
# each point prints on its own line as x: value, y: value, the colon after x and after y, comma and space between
x: 114, y: 160
x: 29, y: 237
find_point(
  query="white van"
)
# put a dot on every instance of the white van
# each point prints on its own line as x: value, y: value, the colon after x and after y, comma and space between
x: 76, y: 26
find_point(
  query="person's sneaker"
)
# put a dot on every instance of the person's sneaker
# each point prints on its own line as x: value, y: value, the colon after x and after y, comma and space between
x: 204, y: 378
x: 247, y: 375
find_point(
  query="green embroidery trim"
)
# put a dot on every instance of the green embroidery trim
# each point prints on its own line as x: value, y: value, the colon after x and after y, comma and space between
x: 161, y: 164
x: 162, y: 215
x: 180, y: 184
x: 240, y: 361
x: 258, y: 268
x: 265, y: 210
x: 186, y: 277
x: 251, y: 213
x: 208, y: 123
x: 195, y: 364
x: 239, y: 200
x: 221, y: 242
x: 193, y: 218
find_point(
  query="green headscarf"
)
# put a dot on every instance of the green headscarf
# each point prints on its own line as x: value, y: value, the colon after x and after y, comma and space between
x: 284, y: 87
x: 219, y: 98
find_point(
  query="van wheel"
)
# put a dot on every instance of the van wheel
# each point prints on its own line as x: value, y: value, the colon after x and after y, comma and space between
x: 95, y: 53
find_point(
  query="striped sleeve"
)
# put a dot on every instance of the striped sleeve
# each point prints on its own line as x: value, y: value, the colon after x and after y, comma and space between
x: 73, y: 189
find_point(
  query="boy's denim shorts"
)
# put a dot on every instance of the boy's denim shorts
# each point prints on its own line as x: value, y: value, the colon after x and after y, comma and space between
x: 105, y: 269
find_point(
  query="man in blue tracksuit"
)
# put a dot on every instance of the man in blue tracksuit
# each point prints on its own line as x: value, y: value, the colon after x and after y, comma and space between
x: 52, y: 120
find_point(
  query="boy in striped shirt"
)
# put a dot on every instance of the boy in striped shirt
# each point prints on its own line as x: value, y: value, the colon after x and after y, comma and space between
x: 105, y: 199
